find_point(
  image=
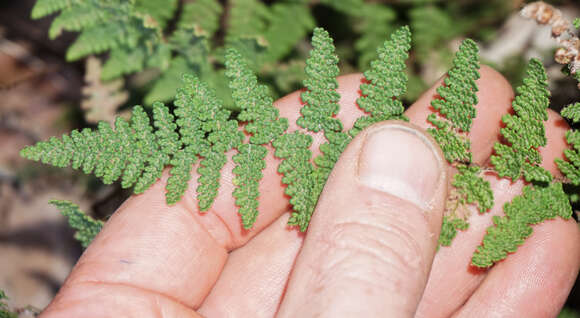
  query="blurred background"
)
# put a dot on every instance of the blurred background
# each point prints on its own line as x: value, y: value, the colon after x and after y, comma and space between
x: 51, y: 85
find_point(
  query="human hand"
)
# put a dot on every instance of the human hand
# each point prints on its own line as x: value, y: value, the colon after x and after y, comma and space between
x: 369, y: 251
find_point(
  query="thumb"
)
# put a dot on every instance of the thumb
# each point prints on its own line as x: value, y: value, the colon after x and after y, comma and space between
x: 374, y: 233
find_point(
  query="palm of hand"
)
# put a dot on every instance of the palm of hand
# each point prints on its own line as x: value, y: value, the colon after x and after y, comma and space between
x: 156, y: 260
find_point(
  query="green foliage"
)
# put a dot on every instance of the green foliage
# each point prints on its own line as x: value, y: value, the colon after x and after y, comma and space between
x: 137, y: 153
x: 86, y: 227
x: 320, y: 99
x: 536, y: 204
x: 524, y: 131
x: 4, y: 310
x: 472, y: 188
x: 431, y: 28
x: 457, y: 104
x: 202, y: 128
x: 201, y: 14
x: 263, y: 125
x: 386, y: 81
x: 449, y: 229
x: 572, y: 112
x: 455, y: 110
x: 576, y: 23
x: 571, y: 168
x: 374, y: 21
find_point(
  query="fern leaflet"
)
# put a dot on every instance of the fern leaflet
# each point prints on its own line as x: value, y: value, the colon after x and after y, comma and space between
x: 525, y: 130
x: 86, y: 227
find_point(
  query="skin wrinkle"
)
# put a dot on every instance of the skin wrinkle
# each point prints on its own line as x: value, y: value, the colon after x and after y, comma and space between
x: 389, y: 228
x: 155, y: 294
x: 377, y: 253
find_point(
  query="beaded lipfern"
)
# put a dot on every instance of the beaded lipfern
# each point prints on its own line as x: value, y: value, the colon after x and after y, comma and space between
x: 571, y: 167
x: 455, y: 108
x: 86, y: 227
x: 524, y: 131
x: 200, y: 130
x: 544, y: 200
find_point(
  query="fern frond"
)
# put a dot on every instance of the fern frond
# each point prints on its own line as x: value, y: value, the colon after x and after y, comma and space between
x: 281, y: 39
x: 191, y: 48
x: 263, y: 125
x: 160, y: 10
x: 247, y: 18
x: 95, y: 40
x: 386, y: 81
x: 123, y: 61
x: 535, y: 205
x: 296, y: 169
x: 449, y: 229
x: 458, y: 98
x: 431, y: 27
x: 86, y: 227
x: 571, y: 168
x: 473, y: 188
x: 43, y: 8
x: 374, y: 23
x: 203, y: 14
x: 525, y: 130
x: 206, y: 130
x: 321, y: 98
x: 456, y: 108
x: 571, y: 112
x: 77, y: 18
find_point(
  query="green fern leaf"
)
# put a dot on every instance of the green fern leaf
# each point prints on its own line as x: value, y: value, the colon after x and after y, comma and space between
x: 473, y: 188
x: 206, y: 130
x: 263, y: 125
x: 247, y: 18
x: 386, y: 81
x: 122, y: 61
x: 96, y: 39
x: 160, y: 10
x: 296, y: 169
x: 455, y: 146
x: 281, y: 39
x: 571, y: 112
x: 449, y: 229
x: 318, y: 113
x: 428, y: 39
x: 374, y: 23
x: 86, y: 227
x: 571, y: 168
x: 43, y: 8
x: 321, y: 98
x: 525, y: 130
x: 203, y: 14
x: 458, y: 99
x: 535, y: 205
x: 77, y: 18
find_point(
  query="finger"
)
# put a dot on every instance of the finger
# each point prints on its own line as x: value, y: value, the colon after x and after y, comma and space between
x: 97, y: 301
x: 174, y: 250
x: 255, y: 275
x: 374, y: 232
x: 494, y: 99
x: 543, y: 268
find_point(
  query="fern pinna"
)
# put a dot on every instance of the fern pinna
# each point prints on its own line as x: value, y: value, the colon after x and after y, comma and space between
x: 201, y: 128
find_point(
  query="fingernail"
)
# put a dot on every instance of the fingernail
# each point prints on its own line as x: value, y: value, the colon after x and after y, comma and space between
x: 402, y: 161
